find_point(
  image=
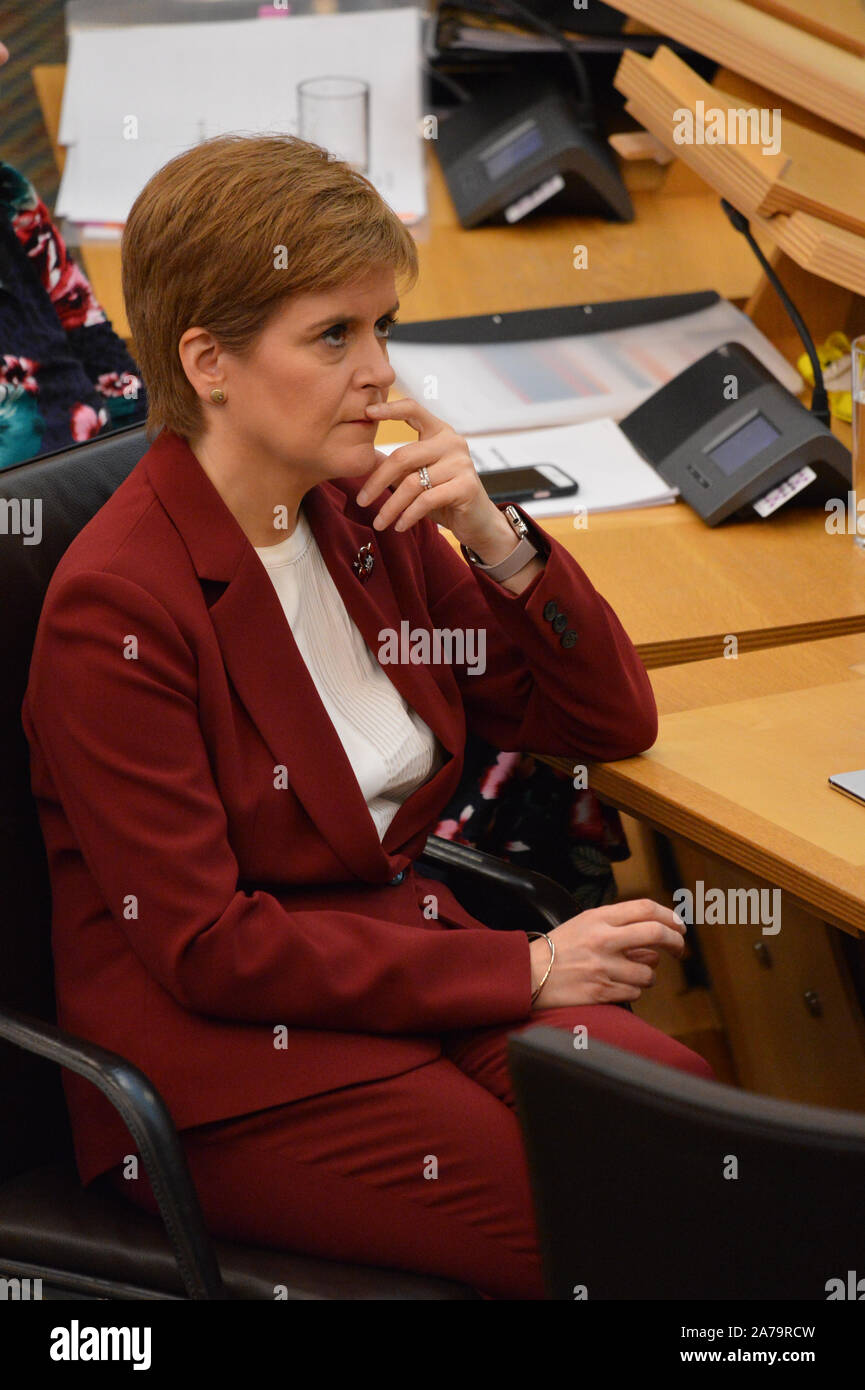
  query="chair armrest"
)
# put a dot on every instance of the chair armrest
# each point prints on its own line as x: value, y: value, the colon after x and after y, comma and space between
x: 148, y: 1120
x: 547, y: 898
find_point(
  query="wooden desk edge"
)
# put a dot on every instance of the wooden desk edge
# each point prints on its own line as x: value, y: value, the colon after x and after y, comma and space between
x: 831, y: 904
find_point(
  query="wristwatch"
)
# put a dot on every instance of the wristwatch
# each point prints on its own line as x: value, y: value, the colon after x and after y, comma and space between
x: 517, y: 559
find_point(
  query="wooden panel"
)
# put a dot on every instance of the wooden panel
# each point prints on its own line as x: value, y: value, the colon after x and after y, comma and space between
x: 755, y: 94
x: 780, y: 1047
x: 641, y: 875
x: 773, y: 671
x: 48, y: 79
x: 840, y: 22
x: 835, y: 253
x: 825, y: 308
x: 102, y: 267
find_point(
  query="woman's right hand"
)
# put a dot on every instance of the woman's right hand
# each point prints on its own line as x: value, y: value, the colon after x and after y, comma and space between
x: 605, y: 955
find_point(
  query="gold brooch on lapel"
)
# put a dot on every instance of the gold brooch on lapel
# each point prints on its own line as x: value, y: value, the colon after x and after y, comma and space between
x: 364, y: 562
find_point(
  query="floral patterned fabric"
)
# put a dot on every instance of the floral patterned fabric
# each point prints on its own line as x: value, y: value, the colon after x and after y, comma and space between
x: 520, y: 809
x: 65, y: 376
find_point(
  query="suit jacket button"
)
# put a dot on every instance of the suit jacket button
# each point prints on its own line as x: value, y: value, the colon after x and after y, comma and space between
x: 560, y: 623
x: 550, y: 611
x: 398, y: 878
x: 569, y: 638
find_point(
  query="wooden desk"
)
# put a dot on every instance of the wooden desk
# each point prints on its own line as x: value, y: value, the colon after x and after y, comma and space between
x: 737, y: 782
x: 681, y: 588
x: 740, y: 766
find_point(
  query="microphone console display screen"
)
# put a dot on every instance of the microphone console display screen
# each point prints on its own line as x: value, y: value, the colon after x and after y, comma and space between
x: 504, y: 155
x: 739, y: 448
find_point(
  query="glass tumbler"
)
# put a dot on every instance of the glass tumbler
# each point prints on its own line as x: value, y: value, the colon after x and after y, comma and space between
x: 334, y: 112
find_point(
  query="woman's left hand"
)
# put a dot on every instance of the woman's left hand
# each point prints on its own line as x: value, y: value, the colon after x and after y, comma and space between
x: 456, y: 498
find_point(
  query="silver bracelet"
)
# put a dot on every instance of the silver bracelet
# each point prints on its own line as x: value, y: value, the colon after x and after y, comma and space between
x: 552, y: 945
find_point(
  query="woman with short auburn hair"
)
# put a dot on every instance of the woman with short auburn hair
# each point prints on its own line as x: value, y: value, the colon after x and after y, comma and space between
x: 226, y: 233
x: 234, y: 782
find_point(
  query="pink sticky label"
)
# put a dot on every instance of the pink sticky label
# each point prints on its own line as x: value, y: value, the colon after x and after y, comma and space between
x: 272, y: 11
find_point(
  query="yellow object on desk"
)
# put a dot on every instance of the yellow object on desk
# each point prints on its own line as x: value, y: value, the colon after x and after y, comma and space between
x: 835, y: 350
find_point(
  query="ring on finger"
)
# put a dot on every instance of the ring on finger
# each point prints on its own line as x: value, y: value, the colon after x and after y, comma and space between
x: 424, y: 479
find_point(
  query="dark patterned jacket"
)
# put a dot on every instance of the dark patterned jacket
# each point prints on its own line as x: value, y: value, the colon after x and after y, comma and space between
x: 65, y: 375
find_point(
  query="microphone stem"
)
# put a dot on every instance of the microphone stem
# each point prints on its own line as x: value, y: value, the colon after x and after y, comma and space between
x: 819, y: 398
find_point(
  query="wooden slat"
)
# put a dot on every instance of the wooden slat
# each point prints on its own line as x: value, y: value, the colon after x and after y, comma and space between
x: 672, y: 75
x: 835, y: 253
x: 812, y: 173
x: 839, y: 22
x: 804, y: 68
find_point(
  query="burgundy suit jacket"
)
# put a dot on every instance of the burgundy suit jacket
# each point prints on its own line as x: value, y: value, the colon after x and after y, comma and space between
x: 224, y: 914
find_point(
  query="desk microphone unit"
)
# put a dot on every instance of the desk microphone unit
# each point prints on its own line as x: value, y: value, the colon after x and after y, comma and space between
x: 732, y: 439
x: 503, y: 158
x: 512, y: 148
x: 737, y: 454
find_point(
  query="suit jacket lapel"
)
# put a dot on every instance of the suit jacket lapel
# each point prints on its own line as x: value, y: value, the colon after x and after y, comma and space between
x: 271, y: 677
x: 373, y: 606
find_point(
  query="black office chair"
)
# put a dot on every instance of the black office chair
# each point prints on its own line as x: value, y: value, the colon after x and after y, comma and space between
x: 632, y: 1167
x: 90, y: 1243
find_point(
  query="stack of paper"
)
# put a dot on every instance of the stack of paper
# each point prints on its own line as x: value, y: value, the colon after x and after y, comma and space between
x: 137, y: 95
x: 609, y: 472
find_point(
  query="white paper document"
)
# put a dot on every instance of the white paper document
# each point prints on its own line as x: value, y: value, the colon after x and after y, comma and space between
x: 610, y: 473
x: 554, y: 381
x: 137, y: 95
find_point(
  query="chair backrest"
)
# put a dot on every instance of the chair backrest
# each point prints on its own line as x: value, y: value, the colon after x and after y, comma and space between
x: 651, y: 1183
x: 43, y: 506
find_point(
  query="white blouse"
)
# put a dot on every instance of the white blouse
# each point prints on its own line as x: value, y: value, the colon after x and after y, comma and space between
x: 391, y: 749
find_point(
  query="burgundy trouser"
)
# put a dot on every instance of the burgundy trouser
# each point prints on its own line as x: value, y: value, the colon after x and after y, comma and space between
x: 422, y: 1171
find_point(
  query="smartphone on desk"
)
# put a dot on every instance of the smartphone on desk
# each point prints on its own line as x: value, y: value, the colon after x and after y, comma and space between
x: 529, y: 484
x: 852, y: 784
